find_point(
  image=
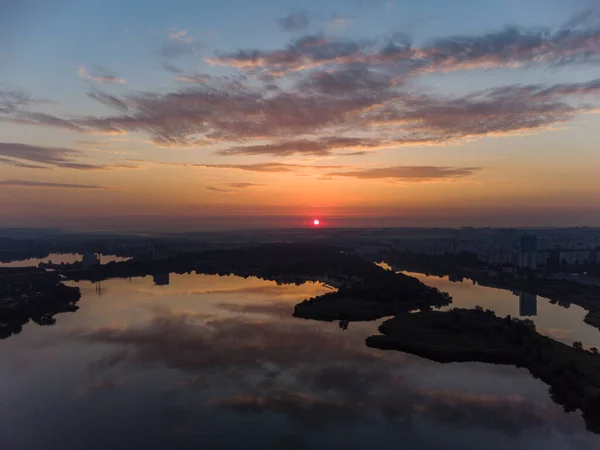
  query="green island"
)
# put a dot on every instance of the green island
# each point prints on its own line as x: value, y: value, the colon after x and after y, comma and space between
x: 462, y: 335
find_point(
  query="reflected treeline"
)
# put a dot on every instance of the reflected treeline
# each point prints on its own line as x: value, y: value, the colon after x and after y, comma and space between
x: 463, y: 335
x: 365, y: 291
x: 26, y: 294
x: 558, y: 291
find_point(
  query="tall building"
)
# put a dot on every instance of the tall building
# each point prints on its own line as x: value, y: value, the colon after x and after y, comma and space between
x: 528, y: 252
x: 160, y: 251
x: 161, y: 279
x: 527, y: 304
x: 90, y: 260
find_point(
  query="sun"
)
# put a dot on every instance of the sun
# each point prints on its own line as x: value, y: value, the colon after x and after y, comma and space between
x: 316, y: 222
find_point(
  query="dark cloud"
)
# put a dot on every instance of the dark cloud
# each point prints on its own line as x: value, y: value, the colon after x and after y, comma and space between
x: 348, y: 80
x: 306, y: 52
x: 319, y: 148
x: 295, y: 21
x: 27, y: 183
x: 24, y: 117
x: 16, y: 163
x: 172, y: 68
x: 578, y: 41
x: 514, y: 47
x: 386, y: 116
x: 23, y: 155
x: 492, y: 112
x: 15, y: 108
x: 13, y: 100
x: 109, y: 100
x: 217, y: 189
x: 409, y: 173
x: 337, y: 103
x: 44, y: 155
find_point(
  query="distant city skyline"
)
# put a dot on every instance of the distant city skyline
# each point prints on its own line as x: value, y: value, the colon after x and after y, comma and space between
x: 224, y: 115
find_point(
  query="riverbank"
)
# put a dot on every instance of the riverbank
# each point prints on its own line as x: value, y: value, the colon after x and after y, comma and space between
x: 462, y: 335
x: 561, y: 291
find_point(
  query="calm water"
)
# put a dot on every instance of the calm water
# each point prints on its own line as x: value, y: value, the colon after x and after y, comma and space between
x: 219, y: 362
x: 563, y: 324
x: 59, y: 258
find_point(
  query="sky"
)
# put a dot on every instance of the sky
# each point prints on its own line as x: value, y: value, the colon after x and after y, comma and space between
x: 232, y: 114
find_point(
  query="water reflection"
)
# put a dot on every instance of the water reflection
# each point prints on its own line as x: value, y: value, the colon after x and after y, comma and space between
x: 554, y: 320
x: 221, y: 361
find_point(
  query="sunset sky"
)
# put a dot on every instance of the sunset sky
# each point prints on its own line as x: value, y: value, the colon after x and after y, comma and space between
x: 205, y: 114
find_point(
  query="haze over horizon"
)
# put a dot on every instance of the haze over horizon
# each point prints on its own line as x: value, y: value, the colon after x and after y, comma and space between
x: 219, y: 115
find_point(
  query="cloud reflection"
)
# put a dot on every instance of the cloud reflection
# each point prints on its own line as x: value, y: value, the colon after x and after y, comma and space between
x: 316, y: 376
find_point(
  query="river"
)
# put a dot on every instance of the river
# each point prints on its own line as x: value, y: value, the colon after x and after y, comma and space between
x: 202, y: 361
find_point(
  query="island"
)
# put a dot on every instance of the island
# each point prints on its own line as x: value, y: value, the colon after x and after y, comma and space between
x: 462, y: 335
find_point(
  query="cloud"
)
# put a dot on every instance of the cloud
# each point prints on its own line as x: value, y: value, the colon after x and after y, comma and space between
x: 358, y: 101
x: 321, y: 147
x: 409, y: 173
x: 344, y: 97
x: 15, y: 108
x: 109, y: 100
x: 178, y: 44
x: 217, y: 189
x: 294, y: 22
x: 11, y: 101
x: 197, y: 78
x: 306, y: 52
x: 24, y: 155
x: 338, y: 104
x: 16, y: 163
x: 26, y: 183
x: 230, y: 187
x: 577, y: 42
x: 270, y: 167
x: 244, y: 185
x: 37, y: 118
x: 172, y: 68
x: 99, y: 76
x: 180, y: 36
